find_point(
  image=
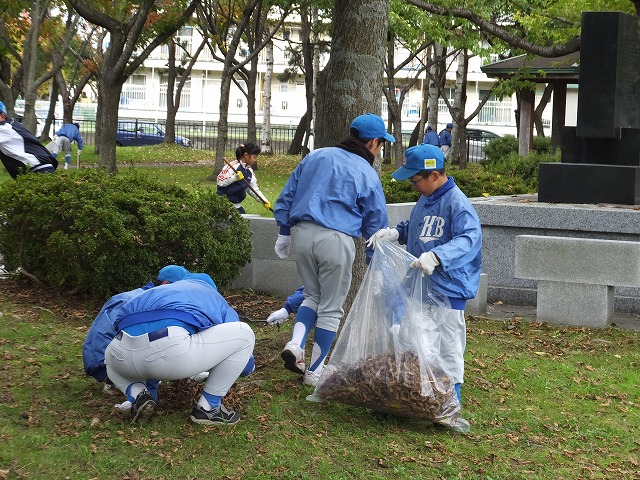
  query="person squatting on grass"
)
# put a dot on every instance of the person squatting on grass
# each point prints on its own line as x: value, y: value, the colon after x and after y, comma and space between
x: 332, y: 197
x: 444, y: 232
x: 174, y: 331
x: 20, y: 150
x: 237, y: 178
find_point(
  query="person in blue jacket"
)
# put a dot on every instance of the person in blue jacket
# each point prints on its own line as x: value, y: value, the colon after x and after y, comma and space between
x: 20, y: 150
x: 68, y: 133
x: 332, y: 197
x: 102, y: 331
x: 444, y: 233
x: 291, y: 305
x: 445, y: 140
x: 100, y: 335
x: 431, y: 137
x: 174, y: 331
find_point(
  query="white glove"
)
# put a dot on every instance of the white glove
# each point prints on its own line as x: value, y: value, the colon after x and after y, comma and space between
x: 278, y: 317
x: 390, y: 234
x: 426, y: 263
x: 283, y: 244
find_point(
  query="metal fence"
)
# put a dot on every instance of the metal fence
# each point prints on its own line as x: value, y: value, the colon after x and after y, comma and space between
x: 202, y: 135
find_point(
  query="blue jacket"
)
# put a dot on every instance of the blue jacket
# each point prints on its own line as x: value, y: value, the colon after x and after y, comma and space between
x: 21, y: 152
x: 102, y: 332
x: 431, y: 138
x: 336, y: 189
x: 294, y: 300
x: 190, y: 303
x: 445, y: 138
x: 447, y: 224
x: 70, y: 131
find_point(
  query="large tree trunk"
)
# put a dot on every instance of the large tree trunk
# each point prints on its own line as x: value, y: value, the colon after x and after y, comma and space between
x: 459, y: 136
x: 351, y: 83
x: 109, y: 90
x: 172, y: 105
x: 265, y: 144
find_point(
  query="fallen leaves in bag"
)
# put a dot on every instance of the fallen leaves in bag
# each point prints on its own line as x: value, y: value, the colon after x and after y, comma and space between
x: 405, y: 390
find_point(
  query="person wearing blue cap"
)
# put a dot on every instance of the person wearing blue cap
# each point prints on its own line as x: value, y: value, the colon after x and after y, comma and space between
x: 68, y: 133
x: 445, y: 140
x: 20, y: 150
x: 332, y: 197
x: 177, y: 330
x: 444, y: 233
x: 431, y: 137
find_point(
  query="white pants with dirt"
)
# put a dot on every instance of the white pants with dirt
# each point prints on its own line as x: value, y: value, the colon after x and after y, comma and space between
x: 222, y: 350
x: 453, y: 341
x: 324, y: 259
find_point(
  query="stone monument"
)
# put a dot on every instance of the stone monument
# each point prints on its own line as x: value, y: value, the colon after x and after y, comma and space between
x: 600, y: 157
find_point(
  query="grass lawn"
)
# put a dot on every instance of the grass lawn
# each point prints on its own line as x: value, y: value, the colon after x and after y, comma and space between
x: 543, y: 402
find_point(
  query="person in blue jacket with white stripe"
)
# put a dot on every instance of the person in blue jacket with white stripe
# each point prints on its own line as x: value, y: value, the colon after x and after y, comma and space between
x: 20, y: 150
x: 444, y: 233
x: 175, y: 331
x: 332, y: 197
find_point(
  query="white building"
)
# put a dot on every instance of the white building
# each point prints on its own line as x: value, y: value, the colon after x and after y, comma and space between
x: 144, y: 93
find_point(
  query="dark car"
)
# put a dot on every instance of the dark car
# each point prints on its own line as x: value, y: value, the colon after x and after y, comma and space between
x: 134, y: 133
x: 477, y: 139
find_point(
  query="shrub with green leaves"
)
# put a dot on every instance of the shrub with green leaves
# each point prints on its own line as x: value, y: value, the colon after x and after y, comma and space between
x: 82, y: 231
x: 504, y: 146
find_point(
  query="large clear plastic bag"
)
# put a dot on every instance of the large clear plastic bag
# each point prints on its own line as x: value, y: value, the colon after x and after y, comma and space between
x: 387, y: 357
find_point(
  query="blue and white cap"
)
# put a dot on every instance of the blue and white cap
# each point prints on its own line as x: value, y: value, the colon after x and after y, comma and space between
x: 3, y: 109
x: 421, y: 157
x: 172, y: 273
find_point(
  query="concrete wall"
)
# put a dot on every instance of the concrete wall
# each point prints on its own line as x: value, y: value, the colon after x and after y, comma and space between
x: 502, y: 218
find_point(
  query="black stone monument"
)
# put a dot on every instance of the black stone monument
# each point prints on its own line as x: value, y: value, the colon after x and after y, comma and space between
x: 601, y: 155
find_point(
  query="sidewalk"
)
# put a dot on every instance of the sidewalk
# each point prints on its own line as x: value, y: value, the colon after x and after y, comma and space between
x: 503, y: 312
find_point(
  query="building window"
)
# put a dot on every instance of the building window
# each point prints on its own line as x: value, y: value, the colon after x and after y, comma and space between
x: 285, y: 105
x: 239, y: 103
x: 284, y: 87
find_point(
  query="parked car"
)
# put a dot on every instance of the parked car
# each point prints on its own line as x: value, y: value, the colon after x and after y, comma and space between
x: 477, y: 139
x: 134, y: 133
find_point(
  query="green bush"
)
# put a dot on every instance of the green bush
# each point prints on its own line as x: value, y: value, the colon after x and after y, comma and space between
x: 474, y: 181
x: 524, y: 168
x: 83, y: 231
x: 503, y: 146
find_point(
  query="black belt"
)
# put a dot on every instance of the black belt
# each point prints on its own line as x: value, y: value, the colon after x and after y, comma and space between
x: 153, y: 336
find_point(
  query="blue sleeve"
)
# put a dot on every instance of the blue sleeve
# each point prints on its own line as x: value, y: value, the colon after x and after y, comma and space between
x: 282, y: 208
x: 250, y: 367
x: 294, y: 300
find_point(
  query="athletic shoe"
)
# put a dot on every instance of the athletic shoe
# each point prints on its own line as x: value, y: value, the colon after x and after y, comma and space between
x: 293, y: 357
x: 311, y: 378
x: 218, y: 416
x: 143, y: 408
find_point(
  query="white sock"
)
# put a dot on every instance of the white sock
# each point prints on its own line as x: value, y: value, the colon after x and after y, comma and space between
x: 299, y: 331
x: 204, y: 403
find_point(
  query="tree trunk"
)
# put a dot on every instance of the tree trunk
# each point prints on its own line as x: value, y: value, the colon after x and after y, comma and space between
x: 458, y: 112
x: 53, y: 98
x: 172, y: 106
x: 252, y: 130
x: 351, y: 82
x: 295, y: 148
x: 537, y: 114
x: 265, y: 144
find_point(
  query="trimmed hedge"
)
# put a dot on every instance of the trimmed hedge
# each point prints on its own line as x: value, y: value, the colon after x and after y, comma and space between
x: 82, y: 231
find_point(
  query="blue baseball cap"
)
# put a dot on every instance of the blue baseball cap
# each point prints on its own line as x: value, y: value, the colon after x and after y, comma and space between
x: 419, y: 158
x: 3, y: 109
x: 172, y: 273
x: 449, y: 125
x: 371, y: 126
